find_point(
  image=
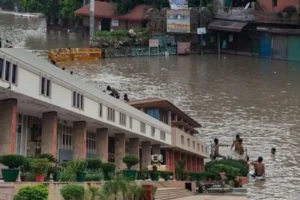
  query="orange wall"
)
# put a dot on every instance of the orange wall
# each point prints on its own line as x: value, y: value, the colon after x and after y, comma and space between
x: 281, y: 4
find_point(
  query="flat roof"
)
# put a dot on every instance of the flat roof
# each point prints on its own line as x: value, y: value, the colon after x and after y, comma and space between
x: 165, y: 104
x: 23, y: 56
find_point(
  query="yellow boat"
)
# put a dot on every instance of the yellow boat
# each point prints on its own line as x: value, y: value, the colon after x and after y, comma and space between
x: 74, y: 54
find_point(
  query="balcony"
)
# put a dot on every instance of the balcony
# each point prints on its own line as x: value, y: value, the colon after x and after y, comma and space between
x: 189, y: 143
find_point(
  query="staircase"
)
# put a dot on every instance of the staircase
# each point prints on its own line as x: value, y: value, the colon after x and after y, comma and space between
x: 171, y: 193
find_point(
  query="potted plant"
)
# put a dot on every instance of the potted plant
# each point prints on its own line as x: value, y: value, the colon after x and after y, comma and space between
x: 154, y: 175
x: 93, y: 163
x: 13, y: 162
x: 165, y: 175
x: 40, y: 168
x: 108, y: 170
x: 79, y: 166
x: 143, y: 174
x: 22, y: 174
x: 130, y: 160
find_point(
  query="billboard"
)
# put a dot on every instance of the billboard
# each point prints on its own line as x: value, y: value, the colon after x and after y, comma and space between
x: 178, y: 4
x: 178, y: 21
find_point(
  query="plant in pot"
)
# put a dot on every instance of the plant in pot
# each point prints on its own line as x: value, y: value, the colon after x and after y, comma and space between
x: 13, y: 162
x: 40, y: 168
x: 79, y: 167
x: 165, y: 175
x: 108, y: 170
x: 154, y: 175
x: 130, y: 160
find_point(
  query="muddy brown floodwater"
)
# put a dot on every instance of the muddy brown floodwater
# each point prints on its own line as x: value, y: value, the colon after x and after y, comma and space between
x: 260, y: 99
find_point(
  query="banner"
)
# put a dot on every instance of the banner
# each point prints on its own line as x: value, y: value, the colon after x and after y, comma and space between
x: 178, y: 21
x: 179, y: 4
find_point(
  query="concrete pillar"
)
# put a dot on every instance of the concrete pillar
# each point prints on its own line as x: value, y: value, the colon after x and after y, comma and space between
x: 120, y: 150
x: 134, y: 149
x: 189, y: 163
x: 156, y: 149
x: 176, y: 118
x: 8, y: 126
x: 184, y: 158
x: 202, y: 168
x: 102, y: 144
x: 194, y: 164
x: 79, y: 140
x: 49, y: 133
x: 169, y: 118
x: 146, y: 155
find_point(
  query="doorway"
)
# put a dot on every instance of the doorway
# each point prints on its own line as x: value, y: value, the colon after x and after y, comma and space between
x: 105, y: 24
x: 21, y: 135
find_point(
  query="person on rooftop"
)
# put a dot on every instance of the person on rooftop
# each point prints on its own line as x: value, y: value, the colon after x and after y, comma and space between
x: 126, y: 98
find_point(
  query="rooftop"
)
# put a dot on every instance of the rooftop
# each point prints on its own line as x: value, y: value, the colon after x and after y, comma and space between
x: 108, y: 10
x: 164, y: 104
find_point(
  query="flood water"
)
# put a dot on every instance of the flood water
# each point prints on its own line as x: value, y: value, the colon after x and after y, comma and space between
x: 260, y: 99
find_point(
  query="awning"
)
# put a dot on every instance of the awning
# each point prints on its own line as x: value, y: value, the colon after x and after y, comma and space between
x: 225, y: 25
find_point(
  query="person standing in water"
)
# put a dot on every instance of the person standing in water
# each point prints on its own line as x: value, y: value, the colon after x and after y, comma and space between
x: 235, y: 143
x: 259, y: 167
x: 216, y: 148
x: 273, y: 151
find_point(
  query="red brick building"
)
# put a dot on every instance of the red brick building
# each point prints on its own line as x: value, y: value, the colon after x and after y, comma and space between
x: 107, y: 19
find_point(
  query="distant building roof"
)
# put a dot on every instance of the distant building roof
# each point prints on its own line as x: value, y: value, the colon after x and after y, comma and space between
x: 108, y: 10
x: 165, y: 104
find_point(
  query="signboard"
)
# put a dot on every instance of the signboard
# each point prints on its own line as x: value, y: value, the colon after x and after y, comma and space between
x: 179, y: 4
x: 114, y: 22
x: 178, y: 21
x: 201, y: 31
x: 153, y: 43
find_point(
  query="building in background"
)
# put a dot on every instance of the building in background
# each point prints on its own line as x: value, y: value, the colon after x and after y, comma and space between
x: 106, y: 18
x: 47, y: 110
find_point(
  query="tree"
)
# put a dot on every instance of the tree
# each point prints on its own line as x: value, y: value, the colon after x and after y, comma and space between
x: 68, y: 7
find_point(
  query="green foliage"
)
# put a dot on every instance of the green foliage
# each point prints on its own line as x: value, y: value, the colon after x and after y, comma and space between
x: 154, y: 175
x: 26, y: 167
x: 233, y: 167
x: 68, y: 7
x: 38, y: 192
x: 12, y: 161
x: 50, y: 157
x: 94, y: 175
x: 78, y: 165
x: 30, y: 176
x: 130, y: 160
x: 94, y: 163
x: 166, y: 175
x: 108, y: 167
x: 70, y: 192
x: 143, y: 174
x: 181, y: 174
x: 67, y: 174
x: 40, y: 166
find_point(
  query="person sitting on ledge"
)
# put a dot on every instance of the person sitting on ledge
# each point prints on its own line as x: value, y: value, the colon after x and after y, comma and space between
x: 259, y: 168
x: 216, y: 148
x: 113, y: 91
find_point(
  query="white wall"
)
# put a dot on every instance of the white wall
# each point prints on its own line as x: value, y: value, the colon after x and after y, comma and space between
x: 28, y: 83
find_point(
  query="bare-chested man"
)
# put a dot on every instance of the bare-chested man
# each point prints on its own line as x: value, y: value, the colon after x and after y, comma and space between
x: 259, y: 167
x: 216, y: 148
x: 236, y: 143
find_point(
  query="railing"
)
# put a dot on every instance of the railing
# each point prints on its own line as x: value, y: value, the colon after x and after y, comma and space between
x: 180, y: 140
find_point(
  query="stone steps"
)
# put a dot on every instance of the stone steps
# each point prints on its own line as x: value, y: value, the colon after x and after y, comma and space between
x: 171, y: 193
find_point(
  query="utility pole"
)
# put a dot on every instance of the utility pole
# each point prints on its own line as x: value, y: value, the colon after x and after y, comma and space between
x: 92, y: 19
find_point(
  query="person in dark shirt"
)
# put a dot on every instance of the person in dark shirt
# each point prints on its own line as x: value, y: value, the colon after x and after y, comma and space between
x: 126, y: 98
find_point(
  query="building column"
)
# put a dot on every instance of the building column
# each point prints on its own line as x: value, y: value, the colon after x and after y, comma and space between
x: 202, y: 169
x: 169, y: 118
x: 184, y: 159
x: 194, y: 164
x: 102, y: 144
x: 49, y: 134
x: 120, y: 150
x: 8, y: 126
x: 156, y: 149
x: 146, y: 155
x: 79, y: 140
x: 189, y: 163
x: 134, y: 149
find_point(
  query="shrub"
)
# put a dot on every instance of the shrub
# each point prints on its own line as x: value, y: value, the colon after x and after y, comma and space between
x: 71, y: 192
x: 130, y: 160
x: 38, y: 192
x: 165, y: 175
x: 237, y: 164
x: 50, y: 157
x: 12, y: 161
x: 108, y: 167
x: 94, y: 175
x: 78, y: 165
x: 40, y: 166
x: 93, y: 163
x: 67, y: 174
x: 154, y: 175
x: 27, y: 164
x: 142, y: 174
